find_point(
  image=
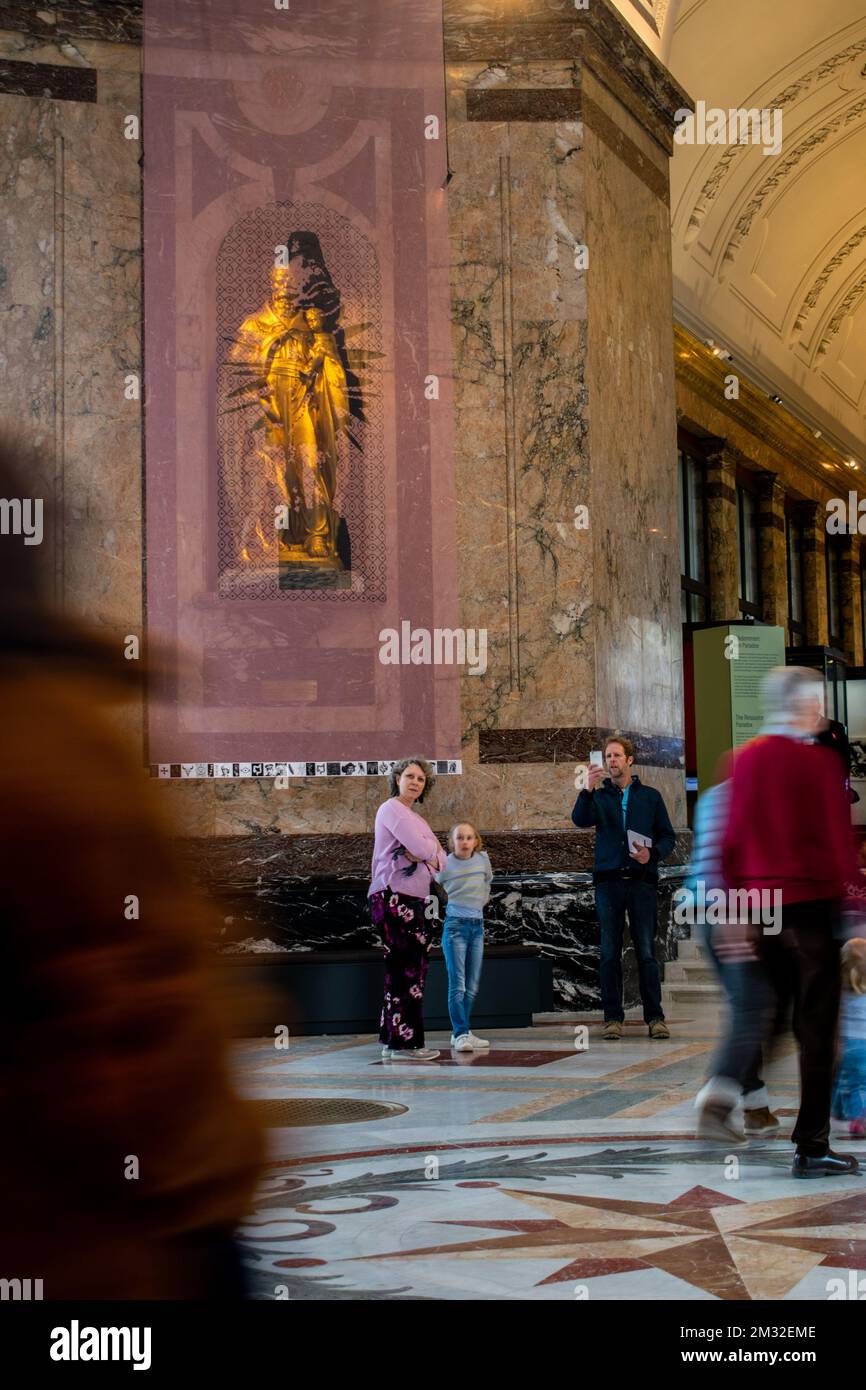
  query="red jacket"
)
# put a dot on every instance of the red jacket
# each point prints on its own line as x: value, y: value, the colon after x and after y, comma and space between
x: 790, y: 824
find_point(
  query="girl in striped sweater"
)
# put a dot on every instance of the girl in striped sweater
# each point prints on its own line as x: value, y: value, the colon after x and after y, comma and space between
x: 466, y: 879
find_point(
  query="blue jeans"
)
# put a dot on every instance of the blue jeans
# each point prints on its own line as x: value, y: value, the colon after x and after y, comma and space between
x: 612, y: 902
x: 849, y: 1092
x: 463, y: 944
x: 754, y: 1015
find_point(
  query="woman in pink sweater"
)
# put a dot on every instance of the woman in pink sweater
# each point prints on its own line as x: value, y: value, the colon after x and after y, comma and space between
x: 405, y: 855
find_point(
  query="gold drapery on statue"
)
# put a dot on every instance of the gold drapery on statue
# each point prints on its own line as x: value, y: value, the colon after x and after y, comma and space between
x: 285, y: 490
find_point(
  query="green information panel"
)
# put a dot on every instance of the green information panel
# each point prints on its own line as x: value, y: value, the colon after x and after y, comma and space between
x: 730, y: 663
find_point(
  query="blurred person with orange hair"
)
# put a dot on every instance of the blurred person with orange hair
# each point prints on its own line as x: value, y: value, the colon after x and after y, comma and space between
x: 128, y: 1159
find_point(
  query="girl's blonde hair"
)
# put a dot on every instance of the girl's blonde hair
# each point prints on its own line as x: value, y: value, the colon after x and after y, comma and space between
x: 854, y: 965
x: 452, y: 832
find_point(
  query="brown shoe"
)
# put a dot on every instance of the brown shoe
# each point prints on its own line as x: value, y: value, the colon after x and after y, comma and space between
x: 659, y: 1029
x: 760, y: 1121
x: 716, y: 1121
x: 612, y: 1030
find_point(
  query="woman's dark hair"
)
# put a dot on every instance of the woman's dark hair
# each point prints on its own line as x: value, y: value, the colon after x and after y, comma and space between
x: 398, y: 770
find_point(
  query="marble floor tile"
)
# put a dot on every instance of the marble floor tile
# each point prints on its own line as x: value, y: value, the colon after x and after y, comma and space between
x: 538, y: 1171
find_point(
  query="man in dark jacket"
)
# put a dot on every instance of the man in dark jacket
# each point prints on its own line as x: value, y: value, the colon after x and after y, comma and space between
x: 626, y: 878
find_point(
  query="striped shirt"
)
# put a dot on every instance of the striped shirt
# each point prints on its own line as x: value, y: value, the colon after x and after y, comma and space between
x: 467, y: 883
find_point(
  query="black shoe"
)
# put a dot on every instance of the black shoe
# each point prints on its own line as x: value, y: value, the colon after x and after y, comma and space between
x: 828, y: 1165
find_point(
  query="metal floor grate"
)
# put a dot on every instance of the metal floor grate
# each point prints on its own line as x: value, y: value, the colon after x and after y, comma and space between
x: 321, y: 1110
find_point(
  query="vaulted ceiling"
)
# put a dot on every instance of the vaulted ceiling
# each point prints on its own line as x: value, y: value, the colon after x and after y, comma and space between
x: 769, y: 251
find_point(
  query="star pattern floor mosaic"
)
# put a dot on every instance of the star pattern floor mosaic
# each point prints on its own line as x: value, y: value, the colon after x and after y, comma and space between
x: 539, y: 1171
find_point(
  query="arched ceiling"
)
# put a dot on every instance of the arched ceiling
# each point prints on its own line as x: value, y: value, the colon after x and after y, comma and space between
x: 769, y: 251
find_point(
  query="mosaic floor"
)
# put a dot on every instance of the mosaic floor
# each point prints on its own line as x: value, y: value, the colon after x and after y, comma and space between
x: 538, y: 1171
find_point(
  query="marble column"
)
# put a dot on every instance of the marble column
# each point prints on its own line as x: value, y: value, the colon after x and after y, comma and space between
x: 560, y: 129
x: 722, y: 558
x: 852, y: 623
x: 814, y: 574
x: 773, y: 550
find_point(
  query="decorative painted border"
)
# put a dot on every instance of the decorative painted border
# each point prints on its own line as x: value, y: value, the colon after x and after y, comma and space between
x: 443, y: 767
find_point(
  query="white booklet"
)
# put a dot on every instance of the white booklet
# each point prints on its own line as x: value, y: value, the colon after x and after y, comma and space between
x: 638, y: 841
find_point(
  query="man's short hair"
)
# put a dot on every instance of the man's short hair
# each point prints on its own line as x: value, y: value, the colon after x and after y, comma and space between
x: 625, y: 743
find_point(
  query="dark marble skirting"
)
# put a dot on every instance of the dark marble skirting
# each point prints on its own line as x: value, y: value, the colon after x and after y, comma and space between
x: 263, y: 901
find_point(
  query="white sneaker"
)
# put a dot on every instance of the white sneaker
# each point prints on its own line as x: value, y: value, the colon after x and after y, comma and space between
x: 414, y: 1054
x: 463, y: 1044
x: 387, y: 1054
x: 478, y: 1044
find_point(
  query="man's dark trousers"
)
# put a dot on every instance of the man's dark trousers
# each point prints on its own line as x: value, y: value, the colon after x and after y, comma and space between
x: 613, y: 900
x: 808, y: 943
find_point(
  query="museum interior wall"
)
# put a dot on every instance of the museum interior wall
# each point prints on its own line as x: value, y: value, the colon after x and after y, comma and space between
x: 560, y: 139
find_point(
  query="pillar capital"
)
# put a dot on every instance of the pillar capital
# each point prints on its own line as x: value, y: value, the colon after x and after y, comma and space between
x: 770, y: 487
x: 596, y: 39
x: 722, y: 456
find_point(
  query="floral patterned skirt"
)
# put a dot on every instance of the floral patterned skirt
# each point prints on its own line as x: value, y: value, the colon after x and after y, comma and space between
x: 408, y: 936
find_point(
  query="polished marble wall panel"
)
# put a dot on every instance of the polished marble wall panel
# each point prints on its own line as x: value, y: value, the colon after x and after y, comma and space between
x: 303, y: 893
x: 552, y: 912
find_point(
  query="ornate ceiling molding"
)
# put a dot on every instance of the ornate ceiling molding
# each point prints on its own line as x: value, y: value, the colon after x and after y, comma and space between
x: 850, y: 299
x: 785, y: 97
x: 819, y: 283
x: 782, y: 168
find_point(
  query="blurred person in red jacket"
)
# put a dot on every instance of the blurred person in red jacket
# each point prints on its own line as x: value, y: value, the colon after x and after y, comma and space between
x: 789, y: 835
x: 127, y: 1157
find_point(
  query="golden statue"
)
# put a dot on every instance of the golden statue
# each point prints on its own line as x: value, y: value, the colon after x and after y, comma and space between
x: 288, y: 358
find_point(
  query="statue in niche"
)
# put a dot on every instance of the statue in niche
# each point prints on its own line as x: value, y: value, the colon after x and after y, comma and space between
x: 291, y: 360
